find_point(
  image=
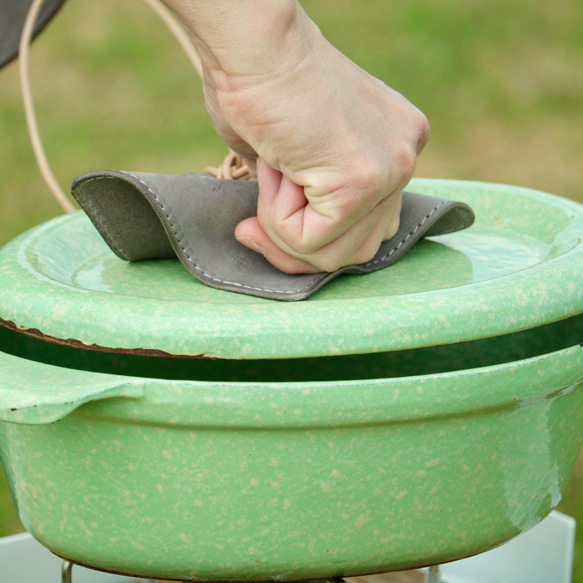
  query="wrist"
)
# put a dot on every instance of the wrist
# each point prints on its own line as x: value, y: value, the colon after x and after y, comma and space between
x: 238, y: 39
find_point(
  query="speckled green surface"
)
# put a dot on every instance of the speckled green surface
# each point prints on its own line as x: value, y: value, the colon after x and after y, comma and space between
x: 181, y: 479
x: 256, y: 480
x: 520, y: 265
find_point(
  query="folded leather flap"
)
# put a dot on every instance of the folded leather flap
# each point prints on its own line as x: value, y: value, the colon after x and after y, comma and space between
x: 152, y: 216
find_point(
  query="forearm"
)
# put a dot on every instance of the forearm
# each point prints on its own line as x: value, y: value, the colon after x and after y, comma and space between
x: 336, y: 146
x: 243, y: 38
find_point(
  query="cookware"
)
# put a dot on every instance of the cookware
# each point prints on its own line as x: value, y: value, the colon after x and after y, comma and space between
x: 153, y: 426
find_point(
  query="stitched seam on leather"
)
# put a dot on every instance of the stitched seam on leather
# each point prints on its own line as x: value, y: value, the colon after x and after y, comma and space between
x: 180, y: 236
x: 409, y: 235
x: 190, y: 260
x: 98, y: 217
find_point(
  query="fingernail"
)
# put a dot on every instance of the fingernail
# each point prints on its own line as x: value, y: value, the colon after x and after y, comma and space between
x: 252, y: 244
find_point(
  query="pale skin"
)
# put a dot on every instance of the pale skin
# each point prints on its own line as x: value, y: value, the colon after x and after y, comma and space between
x: 332, y: 147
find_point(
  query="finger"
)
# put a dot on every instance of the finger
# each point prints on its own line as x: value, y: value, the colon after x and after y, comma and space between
x: 280, y: 208
x: 250, y: 233
x: 284, y: 209
x: 301, y: 221
x: 269, y: 182
x: 395, y: 220
x: 295, y: 224
x: 358, y: 245
x: 251, y: 166
x: 281, y: 213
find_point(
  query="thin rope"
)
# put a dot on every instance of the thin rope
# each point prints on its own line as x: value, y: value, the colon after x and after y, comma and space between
x: 178, y: 32
x: 233, y: 167
x: 33, y: 131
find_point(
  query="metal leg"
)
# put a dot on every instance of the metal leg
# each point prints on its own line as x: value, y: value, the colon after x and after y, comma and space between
x: 433, y: 575
x: 68, y: 566
x: 67, y: 572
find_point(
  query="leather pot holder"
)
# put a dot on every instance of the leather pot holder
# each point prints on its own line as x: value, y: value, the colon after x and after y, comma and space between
x: 153, y: 216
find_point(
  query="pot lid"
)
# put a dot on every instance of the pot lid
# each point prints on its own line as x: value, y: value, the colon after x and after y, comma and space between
x: 519, y: 266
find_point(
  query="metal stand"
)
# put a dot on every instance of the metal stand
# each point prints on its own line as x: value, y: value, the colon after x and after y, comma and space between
x: 67, y: 575
x: 433, y: 575
x: 67, y: 572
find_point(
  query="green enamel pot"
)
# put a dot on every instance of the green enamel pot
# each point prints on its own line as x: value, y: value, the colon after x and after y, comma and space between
x: 151, y: 426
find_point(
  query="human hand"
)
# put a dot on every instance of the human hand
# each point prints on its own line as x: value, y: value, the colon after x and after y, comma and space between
x: 333, y: 146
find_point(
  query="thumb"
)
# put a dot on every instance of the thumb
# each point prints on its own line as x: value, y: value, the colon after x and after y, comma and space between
x: 274, y: 189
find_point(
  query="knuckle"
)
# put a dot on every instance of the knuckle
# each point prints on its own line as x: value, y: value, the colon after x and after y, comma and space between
x: 327, y: 264
x: 305, y: 247
x: 370, y: 179
x: 393, y: 227
x: 408, y: 162
x: 365, y: 253
x: 299, y: 242
x: 423, y: 131
x: 405, y: 161
x: 301, y: 247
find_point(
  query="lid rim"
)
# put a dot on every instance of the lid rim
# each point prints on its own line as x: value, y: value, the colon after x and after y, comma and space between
x: 330, y: 324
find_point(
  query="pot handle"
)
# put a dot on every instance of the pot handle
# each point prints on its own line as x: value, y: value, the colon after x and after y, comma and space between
x: 35, y: 393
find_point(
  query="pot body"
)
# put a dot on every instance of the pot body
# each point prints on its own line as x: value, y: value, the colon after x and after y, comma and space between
x: 226, y: 481
x: 413, y: 416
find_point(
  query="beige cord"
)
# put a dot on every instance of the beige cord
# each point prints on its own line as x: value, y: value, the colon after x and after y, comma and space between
x: 33, y: 131
x: 233, y: 166
x: 178, y: 32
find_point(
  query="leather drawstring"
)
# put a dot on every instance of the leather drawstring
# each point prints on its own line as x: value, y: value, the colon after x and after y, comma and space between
x: 233, y: 166
x: 33, y: 131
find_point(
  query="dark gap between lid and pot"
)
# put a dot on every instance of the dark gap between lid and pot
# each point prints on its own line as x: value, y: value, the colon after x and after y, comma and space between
x: 405, y: 363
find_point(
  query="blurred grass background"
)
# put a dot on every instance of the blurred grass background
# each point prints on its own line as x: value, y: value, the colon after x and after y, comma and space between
x: 500, y: 80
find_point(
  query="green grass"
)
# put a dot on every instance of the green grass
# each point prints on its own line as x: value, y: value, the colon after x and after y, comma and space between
x: 500, y: 82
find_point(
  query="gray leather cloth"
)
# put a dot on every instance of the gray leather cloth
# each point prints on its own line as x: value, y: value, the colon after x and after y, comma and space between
x: 12, y: 16
x: 152, y: 216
